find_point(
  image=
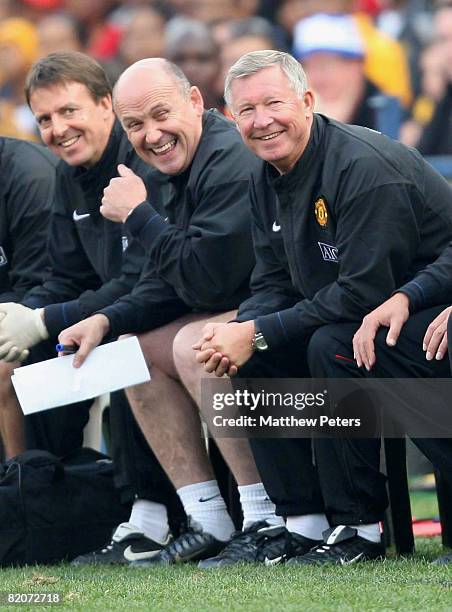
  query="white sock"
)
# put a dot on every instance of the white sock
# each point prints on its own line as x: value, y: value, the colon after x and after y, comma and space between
x: 204, y: 503
x: 257, y: 506
x: 151, y: 518
x: 310, y: 526
x: 371, y: 531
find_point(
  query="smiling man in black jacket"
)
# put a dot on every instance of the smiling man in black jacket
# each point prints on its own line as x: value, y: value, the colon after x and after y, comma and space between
x: 342, y: 217
x: 93, y: 261
x: 200, y: 247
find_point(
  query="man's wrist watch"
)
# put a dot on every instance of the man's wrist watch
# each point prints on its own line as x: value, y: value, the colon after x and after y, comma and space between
x: 259, y: 343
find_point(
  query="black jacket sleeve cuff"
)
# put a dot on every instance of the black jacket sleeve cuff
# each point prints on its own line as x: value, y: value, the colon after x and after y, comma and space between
x: 59, y: 316
x: 145, y: 223
x: 280, y: 328
x: 416, y: 295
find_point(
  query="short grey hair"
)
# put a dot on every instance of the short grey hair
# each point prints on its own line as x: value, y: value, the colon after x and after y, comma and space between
x: 253, y: 62
x: 179, y: 77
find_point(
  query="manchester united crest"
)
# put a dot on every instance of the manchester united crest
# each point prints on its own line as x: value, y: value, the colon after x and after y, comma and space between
x: 321, y: 212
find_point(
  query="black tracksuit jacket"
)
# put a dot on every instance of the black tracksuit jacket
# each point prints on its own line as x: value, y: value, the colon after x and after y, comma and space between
x: 27, y: 180
x: 93, y: 260
x: 357, y: 217
x: 432, y: 286
x: 199, y: 248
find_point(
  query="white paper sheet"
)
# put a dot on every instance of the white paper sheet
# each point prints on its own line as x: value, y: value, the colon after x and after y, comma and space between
x: 55, y: 382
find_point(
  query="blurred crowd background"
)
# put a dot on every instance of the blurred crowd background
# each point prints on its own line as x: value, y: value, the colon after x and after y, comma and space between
x: 352, y: 51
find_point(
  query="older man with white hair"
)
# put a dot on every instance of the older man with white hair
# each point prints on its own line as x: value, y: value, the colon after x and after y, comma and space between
x: 342, y: 217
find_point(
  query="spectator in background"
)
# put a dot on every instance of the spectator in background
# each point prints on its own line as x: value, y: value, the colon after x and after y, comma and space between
x: 103, y: 36
x: 34, y: 10
x: 210, y: 11
x: 436, y: 138
x: 143, y: 36
x: 18, y: 51
x: 60, y: 32
x: 410, y: 22
x: 332, y: 53
x: 191, y: 46
x: 6, y: 9
x: 433, y: 80
x: 291, y: 11
x: 244, y: 36
x: 228, y: 29
x: 385, y: 64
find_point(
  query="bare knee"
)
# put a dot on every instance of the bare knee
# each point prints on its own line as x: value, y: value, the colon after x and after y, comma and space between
x: 183, y: 354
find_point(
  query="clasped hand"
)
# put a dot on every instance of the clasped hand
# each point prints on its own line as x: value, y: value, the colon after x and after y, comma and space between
x: 225, y: 347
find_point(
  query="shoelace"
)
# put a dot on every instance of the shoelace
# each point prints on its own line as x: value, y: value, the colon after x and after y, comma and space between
x: 107, y: 548
x: 189, y: 537
x: 240, y: 539
x: 322, y: 548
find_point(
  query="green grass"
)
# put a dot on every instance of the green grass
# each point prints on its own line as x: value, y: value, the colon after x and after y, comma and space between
x: 424, y: 504
x: 409, y: 584
x: 394, y: 584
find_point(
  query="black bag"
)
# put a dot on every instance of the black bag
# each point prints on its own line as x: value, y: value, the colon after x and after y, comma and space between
x: 53, y: 510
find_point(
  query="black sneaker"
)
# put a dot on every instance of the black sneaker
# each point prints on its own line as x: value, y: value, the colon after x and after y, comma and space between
x: 258, y: 543
x: 296, y: 546
x: 192, y: 545
x: 341, y: 546
x: 444, y: 560
x: 127, y: 545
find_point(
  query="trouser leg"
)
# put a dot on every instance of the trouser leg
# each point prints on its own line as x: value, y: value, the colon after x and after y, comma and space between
x: 407, y: 360
x: 285, y: 465
x: 331, y: 355
x: 352, y: 486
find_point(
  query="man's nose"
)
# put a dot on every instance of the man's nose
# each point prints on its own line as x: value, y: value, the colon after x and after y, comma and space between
x: 262, y: 118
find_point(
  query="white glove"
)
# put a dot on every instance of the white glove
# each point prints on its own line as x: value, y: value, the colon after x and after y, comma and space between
x: 20, y: 328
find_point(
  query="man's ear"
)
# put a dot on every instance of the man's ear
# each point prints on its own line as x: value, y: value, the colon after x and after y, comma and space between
x: 106, y: 103
x: 309, y: 102
x: 196, y: 100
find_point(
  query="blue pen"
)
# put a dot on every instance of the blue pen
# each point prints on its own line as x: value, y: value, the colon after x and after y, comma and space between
x: 66, y: 348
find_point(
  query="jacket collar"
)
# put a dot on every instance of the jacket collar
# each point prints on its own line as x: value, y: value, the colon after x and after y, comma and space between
x: 94, y: 179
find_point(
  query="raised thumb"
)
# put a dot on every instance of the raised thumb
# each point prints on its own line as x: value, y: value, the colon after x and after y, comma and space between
x: 123, y: 170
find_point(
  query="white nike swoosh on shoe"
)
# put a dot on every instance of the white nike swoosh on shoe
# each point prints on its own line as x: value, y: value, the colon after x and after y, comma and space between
x: 129, y: 555
x: 354, y: 560
x: 270, y: 528
x: 276, y: 561
x: 276, y: 227
x: 77, y: 217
